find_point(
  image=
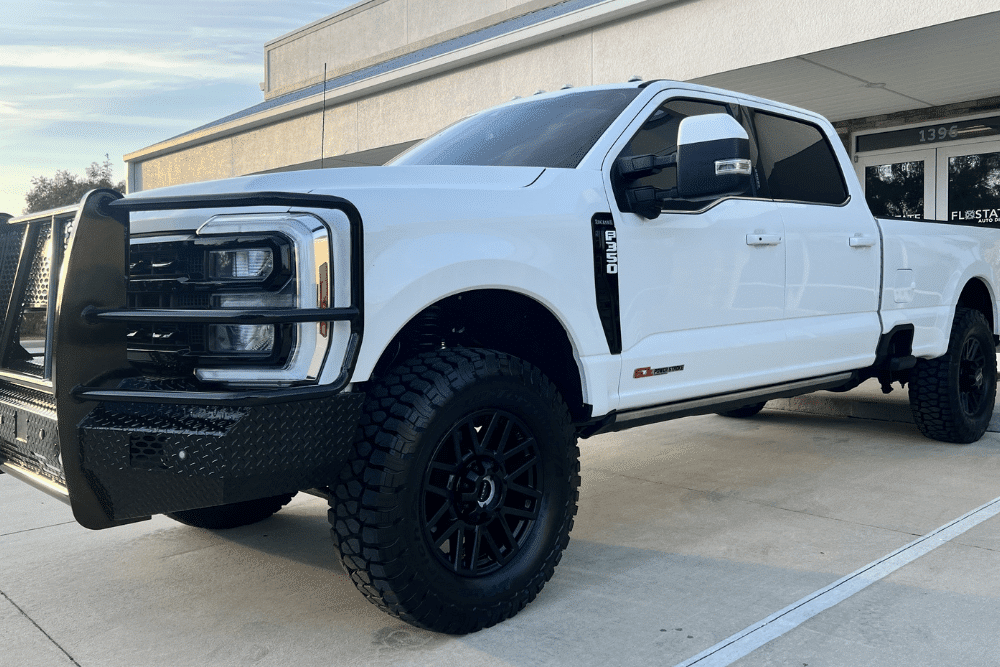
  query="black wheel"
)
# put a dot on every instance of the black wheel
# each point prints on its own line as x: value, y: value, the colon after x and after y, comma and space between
x: 952, y: 396
x: 234, y: 515
x: 744, y: 412
x: 458, y: 499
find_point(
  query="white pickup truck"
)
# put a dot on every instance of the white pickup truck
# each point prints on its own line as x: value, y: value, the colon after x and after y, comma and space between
x: 423, y: 343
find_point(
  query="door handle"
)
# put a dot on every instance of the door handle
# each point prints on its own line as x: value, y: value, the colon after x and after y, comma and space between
x: 763, y: 239
x: 861, y: 241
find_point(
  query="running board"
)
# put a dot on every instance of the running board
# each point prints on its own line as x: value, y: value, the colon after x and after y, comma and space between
x: 50, y: 487
x: 619, y: 421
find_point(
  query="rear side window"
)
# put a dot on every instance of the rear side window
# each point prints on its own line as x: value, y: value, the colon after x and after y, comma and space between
x: 798, y: 162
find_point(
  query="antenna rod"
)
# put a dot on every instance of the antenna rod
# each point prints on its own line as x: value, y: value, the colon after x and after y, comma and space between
x: 322, y: 131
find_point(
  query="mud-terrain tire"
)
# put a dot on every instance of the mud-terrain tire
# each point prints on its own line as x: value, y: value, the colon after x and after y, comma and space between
x: 458, y: 498
x: 952, y: 396
x: 233, y: 515
x: 743, y: 412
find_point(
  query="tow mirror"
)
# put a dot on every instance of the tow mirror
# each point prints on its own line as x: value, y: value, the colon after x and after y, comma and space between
x: 712, y: 159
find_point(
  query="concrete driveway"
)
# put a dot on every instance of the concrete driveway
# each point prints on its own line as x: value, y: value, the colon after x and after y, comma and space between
x: 690, y: 533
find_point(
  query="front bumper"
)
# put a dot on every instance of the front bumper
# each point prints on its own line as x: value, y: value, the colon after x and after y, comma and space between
x: 77, y: 422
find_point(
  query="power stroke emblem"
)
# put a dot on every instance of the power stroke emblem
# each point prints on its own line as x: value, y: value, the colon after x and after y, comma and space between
x: 605, y: 238
x: 648, y: 372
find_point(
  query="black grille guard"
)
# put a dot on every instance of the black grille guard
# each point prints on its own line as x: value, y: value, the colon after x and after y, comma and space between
x: 85, y: 344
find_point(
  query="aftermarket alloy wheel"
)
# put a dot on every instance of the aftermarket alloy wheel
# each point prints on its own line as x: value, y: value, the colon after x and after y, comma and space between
x: 232, y: 515
x: 952, y: 397
x: 458, y: 499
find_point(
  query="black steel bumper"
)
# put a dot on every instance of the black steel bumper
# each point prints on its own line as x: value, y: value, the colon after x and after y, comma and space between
x: 118, y: 448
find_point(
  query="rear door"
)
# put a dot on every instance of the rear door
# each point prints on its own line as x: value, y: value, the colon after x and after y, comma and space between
x: 833, y: 248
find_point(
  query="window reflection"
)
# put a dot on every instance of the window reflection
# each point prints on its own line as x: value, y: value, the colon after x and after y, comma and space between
x: 974, y: 188
x: 896, y: 190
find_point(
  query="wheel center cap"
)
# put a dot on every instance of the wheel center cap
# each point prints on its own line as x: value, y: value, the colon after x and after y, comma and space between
x: 487, y: 491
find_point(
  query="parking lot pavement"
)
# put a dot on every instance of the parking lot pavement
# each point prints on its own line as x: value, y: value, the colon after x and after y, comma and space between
x: 688, y: 532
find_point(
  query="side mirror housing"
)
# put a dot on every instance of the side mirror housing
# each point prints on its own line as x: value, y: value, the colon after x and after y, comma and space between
x: 713, y: 157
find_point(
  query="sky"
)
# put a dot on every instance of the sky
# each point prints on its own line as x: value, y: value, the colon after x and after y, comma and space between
x: 79, y: 80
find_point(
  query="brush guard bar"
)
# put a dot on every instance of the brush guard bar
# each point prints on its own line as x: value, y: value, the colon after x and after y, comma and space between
x: 81, y: 426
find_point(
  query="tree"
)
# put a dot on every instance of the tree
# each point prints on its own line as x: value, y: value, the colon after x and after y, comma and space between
x: 65, y: 188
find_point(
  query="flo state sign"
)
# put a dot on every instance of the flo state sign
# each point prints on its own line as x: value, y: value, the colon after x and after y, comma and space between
x: 982, y: 216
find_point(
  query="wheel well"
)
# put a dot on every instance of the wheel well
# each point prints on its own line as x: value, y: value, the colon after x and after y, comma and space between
x: 496, y: 320
x: 977, y: 296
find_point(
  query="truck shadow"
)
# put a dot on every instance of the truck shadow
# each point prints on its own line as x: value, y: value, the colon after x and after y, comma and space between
x: 300, y: 532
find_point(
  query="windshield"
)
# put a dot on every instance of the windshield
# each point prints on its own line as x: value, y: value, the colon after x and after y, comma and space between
x: 550, y: 132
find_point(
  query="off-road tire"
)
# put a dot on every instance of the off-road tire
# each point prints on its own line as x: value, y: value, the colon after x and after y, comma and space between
x: 743, y: 412
x: 233, y: 515
x: 952, y: 396
x: 405, y: 512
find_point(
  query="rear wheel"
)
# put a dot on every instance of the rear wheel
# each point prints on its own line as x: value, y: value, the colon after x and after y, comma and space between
x: 232, y: 515
x: 458, y: 499
x: 744, y: 412
x: 952, y: 397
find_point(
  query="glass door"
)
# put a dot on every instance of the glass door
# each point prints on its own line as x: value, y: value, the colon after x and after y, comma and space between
x: 900, y: 184
x: 968, y: 188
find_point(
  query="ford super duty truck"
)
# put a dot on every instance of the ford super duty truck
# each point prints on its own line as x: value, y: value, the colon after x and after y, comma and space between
x: 423, y: 343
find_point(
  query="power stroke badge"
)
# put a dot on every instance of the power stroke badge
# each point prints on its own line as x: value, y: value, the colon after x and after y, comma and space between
x: 648, y: 372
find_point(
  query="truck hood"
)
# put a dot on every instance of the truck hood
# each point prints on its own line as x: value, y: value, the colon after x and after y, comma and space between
x: 341, y: 181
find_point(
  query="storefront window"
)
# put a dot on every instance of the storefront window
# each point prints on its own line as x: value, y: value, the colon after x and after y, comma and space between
x: 896, y: 190
x: 974, y: 188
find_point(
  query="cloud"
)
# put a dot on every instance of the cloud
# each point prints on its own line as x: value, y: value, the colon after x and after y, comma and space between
x: 206, y: 64
x: 20, y: 118
x: 81, y: 79
x: 123, y: 85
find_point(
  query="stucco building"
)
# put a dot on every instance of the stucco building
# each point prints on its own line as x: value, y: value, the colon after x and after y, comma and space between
x: 911, y: 85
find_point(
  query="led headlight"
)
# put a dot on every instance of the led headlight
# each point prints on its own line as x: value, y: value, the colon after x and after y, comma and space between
x: 247, y: 338
x: 241, y: 338
x: 267, y: 262
x: 241, y: 264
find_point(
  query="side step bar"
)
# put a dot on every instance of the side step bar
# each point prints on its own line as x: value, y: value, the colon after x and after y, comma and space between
x: 619, y: 421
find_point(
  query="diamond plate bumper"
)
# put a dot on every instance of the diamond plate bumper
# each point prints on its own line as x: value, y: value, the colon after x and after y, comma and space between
x: 76, y: 422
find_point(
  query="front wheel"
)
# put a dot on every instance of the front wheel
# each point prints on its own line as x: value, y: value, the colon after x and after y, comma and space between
x: 458, y: 499
x: 952, y: 397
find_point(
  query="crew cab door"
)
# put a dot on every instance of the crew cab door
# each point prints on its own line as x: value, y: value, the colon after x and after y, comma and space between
x: 702, y: 285
x: 832, y: 248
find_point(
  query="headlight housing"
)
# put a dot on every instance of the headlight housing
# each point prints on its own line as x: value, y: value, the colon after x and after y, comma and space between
x: 241, y: 264
x: 251, y: 264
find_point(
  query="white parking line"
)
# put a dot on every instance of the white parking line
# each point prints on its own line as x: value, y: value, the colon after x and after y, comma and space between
x: 753, y: 637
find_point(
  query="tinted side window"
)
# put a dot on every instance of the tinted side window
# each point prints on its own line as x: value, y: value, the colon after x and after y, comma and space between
x: 799, y: 164
x: 658, y: 136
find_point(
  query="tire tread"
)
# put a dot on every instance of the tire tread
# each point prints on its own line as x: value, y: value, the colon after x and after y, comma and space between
x: 363, y: 517
x: 934, y: 406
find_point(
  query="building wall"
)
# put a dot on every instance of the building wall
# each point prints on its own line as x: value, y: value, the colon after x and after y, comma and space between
x: 666, y: 39
x: 374, y: 30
